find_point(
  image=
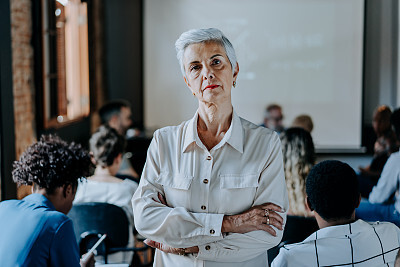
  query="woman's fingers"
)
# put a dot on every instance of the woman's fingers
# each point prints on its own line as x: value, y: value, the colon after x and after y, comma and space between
x: 267, y: 228
x: 275, y: 216
x: 273, y: 221
x: 162, y: 199
x: 271, y: 206
x: 270, y: 212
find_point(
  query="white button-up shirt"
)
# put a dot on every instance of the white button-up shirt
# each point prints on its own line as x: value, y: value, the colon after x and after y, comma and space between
x: 358, y: 244
x: 200, y: 186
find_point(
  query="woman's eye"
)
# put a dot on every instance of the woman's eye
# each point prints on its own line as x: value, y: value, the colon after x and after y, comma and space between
x: 194, y: 68
x: 216, y: 61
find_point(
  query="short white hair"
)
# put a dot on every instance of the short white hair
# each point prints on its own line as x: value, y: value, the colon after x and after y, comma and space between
x: 196, y: 36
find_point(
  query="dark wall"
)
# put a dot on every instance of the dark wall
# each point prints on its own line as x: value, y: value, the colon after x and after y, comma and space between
x: 7, y: 141
x: 380, y: 55
x: 123, y: 53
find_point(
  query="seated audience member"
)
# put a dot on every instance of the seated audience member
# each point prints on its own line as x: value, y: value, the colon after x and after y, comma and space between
x: 383, y: 203
x: 303, y: 121
x: 107, y: 147
x: 385, y: 145
x: 35, y: 231
x: 118, y: 115
x: 298, y: 159
x: 332, y: 194
x: 273, y: 118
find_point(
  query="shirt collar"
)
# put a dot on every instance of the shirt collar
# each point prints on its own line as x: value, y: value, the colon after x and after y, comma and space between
x: 338, y: 230
x: 40, y: 200
x: 234, y: 136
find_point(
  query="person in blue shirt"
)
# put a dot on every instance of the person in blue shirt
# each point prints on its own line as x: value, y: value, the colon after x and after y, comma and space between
x: 35, y: 231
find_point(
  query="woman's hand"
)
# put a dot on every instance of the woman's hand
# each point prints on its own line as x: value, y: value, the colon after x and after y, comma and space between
x: 259, y: 217
x: 168, y: 249
x: 161, y: 199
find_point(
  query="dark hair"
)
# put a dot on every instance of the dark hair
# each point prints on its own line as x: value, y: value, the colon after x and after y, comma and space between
x: 395, y: 120
x: 112, y: 108
x: 332, y: 190
x: 51, y: 163
x: 106, y: 144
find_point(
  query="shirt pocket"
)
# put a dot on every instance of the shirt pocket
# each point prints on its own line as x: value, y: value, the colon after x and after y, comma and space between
x: 176, y: 188
x: 238, y: 192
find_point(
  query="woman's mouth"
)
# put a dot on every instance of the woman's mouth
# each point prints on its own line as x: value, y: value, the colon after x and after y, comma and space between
x: 211, y: 86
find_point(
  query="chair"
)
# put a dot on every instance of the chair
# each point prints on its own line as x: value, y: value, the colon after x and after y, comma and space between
x: 137, y: 147
x: 297, y: 229
x: 92, y: 219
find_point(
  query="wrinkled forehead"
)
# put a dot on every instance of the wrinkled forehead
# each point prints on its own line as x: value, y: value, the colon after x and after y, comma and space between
x: 208, y: 49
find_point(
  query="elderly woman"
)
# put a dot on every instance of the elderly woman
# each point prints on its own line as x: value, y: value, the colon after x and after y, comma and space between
x: 213, y: 191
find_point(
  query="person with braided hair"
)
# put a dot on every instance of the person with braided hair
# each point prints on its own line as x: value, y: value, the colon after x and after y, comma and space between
x: 35, y: 231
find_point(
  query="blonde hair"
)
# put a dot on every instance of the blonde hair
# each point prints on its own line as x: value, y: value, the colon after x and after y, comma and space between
x: 303, y: 121
x: 298, y: 159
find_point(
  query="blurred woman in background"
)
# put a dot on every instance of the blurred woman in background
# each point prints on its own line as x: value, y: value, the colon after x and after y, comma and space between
x: 298, y: 159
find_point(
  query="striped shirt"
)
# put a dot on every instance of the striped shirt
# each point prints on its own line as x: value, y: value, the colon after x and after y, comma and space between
x: 359, y: 244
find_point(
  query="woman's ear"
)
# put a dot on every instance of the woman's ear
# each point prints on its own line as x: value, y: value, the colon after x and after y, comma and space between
x: 236, y: 72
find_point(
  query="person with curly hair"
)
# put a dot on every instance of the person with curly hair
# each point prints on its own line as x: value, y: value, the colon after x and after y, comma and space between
x: 298, y: 159
x: 35, y: 231
x: 107, y: 147
x: 333, y: 195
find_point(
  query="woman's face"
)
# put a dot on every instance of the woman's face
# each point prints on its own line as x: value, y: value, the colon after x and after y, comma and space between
x: 208, y: 71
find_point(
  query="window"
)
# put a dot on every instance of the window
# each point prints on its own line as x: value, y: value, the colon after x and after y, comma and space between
x: 65, y: 61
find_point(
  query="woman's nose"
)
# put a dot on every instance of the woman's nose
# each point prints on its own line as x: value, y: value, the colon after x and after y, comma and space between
x: 207, y: 73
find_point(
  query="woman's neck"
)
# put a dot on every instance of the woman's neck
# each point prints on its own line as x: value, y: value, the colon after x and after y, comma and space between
x: 214, y: 118
x: 213, y: 122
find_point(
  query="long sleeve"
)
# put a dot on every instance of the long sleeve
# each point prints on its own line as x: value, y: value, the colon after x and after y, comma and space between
x: 176, y: 227
x: 201, y: 186
x: 272, y: 188
x: 388, y: 182
x: 64, y: 249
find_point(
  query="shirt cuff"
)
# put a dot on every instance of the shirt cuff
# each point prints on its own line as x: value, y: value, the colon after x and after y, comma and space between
x: 207, y: 251
x: 213, y: 225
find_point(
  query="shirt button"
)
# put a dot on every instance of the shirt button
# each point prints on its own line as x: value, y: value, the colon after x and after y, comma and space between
x: 208, y: 157
x: 205, y: 181
x: 212, y: 231
x: 203, y: 207
x: 207, y: 247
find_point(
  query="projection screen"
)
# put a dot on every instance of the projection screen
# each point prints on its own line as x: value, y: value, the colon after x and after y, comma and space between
x: 305, y: 55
